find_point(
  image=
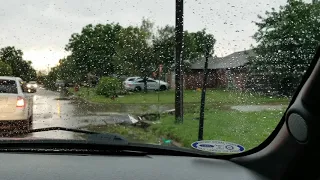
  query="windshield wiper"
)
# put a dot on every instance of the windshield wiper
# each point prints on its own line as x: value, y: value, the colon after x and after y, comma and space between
x: 100, y: 143
x: 92, y: 136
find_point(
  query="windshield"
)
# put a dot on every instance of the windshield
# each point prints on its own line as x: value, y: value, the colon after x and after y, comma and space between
x: 214, y: 77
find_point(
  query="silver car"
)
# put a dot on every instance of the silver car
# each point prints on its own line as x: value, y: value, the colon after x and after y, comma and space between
x: 16, y: 107
x: 137, y: 84
x: 32, y: 86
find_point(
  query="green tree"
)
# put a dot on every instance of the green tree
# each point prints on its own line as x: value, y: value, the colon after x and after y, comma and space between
x: 68, y: 70
x: 203, y: 42
x: 26, y: 71
x: 41, y: 77
x: 287, y: 40
x: 5, y: 69
x: 51, y: 78
x: 93, y: 49
x: 13, y: 57
x: 20, y: 68
x: 164, y: 46
x: 134, y: 54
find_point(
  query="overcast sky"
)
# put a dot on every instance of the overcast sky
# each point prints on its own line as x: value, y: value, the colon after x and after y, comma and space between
x: 42, y: 28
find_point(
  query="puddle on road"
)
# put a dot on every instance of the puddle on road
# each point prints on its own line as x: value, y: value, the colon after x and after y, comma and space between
x: 255, y: 108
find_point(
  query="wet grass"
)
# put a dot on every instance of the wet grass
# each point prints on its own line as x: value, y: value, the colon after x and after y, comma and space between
x: 217, y: 97
x: 246, y: 128
x: 221, y: 123
x: 131, y: 133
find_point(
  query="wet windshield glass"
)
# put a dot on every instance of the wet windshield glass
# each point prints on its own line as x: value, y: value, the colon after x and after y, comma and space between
x: 214, y: 77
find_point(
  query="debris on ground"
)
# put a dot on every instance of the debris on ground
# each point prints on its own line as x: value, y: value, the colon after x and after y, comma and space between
x: 132, y: 119
x: 150, y: 117
x: 171, y: 111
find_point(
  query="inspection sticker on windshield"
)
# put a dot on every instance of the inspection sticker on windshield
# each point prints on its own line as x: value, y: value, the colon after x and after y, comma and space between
x: 218, y: 146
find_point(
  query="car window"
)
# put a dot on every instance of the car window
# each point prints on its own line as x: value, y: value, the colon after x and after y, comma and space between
x: 8, y: 86
x: 149, y: 80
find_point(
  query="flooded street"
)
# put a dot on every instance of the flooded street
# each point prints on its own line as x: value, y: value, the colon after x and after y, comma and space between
x: 50, y: 110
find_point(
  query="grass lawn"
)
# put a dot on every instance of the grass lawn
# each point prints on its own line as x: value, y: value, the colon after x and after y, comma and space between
x: 217, y: 97
x: 246, y: 128
x: 221, y: 123
x: 131, y: 133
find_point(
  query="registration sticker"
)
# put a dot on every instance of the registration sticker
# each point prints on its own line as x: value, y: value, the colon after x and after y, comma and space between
x: 218, y: 146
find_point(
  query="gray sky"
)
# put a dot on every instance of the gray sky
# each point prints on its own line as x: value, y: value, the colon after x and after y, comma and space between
x: 42, y: 28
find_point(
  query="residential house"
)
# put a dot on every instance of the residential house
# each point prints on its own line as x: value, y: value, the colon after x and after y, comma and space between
x: 223, y: 72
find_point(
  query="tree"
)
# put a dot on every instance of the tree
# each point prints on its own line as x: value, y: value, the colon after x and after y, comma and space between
x: 93, y: 49
x: 287, y: 41
x: 147, y: 27
x: 203, y: 42
x: 51, y: 78
x: 194, y: 42
x: 26, y: 71
x: 68, y: 70
x: 5, y: 69
x: 41, y: 77
x: 13, y: 57
x: 133, y: 53
x: 163, y: 47
x: 20, y: 68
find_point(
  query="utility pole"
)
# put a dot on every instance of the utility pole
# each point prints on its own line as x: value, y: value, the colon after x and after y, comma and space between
x: 179, y: 62
x: 203, y: 94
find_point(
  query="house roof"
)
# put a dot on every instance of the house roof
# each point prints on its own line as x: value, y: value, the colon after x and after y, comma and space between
x: 233, y: 60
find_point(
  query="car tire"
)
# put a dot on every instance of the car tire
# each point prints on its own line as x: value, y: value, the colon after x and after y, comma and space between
x: 163, y: 88
x: 138, y: 88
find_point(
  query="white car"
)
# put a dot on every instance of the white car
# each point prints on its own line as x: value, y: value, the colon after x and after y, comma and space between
x: 32, y: 86
x: 137, y: 84
x: 16, y: 107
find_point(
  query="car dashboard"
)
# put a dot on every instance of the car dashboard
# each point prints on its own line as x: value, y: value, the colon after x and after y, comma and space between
x: 51, y: 166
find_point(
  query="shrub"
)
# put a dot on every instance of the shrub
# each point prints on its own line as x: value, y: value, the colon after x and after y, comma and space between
x: 109, y: 86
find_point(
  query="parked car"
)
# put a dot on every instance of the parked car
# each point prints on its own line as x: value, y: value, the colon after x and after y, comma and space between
x: 16, y: 107
x: 60, y: 84
x: 137, y: 84
x: 32, y: 86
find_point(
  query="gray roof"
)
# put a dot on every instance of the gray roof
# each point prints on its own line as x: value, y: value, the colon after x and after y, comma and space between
x: 233, y: 60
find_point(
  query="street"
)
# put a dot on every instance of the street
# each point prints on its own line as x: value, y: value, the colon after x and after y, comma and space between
x: 50, y: 110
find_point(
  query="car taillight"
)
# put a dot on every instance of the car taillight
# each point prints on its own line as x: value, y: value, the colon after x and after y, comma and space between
x: 20, y: 102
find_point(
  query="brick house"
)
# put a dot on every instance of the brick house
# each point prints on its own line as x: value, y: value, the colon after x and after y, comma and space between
x: 224, y: 72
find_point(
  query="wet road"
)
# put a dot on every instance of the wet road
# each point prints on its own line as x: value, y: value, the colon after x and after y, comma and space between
x: 51, y: 110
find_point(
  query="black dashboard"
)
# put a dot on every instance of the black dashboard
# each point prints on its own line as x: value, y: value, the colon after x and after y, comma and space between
x: 95, y: 167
